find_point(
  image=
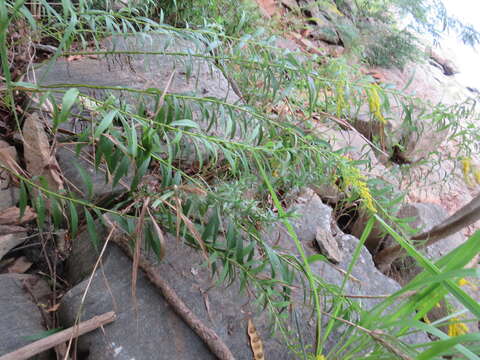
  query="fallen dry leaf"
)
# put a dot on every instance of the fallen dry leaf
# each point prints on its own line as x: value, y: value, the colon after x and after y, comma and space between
x: 8, y: 159
x: 11, y: 216
x: 255, y: 341
x: 160, y: 236
x: 19, y: 266
x: 39, y: 156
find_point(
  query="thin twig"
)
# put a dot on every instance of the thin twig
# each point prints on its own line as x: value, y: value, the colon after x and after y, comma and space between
x: 55, y: 339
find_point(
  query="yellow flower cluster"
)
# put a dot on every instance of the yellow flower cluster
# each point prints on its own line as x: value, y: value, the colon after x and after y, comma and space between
x: 374, y: 102
x: 469, y: 170
x: 466, y: 166
x: 340, y: 97
x: 456, y: 327
x: 352, y: 178
x: 465, y: 282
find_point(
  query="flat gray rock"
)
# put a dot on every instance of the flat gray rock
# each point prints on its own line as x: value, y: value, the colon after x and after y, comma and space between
x: 153, y: 330
x: 101, y: 186
x: 20, y: 317
x: 157, y: 57
x: 181, y: 67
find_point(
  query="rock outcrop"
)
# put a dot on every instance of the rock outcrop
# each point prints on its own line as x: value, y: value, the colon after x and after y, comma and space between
x: 147, y: 323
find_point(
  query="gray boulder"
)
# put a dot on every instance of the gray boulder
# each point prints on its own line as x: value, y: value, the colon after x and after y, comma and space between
x: 155, y: 60
x: 147, y: 327
x: 312, y: 214
x: 21, y: 318
x: 101, y: 184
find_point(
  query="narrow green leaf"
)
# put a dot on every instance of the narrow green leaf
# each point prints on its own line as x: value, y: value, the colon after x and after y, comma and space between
x: 57, y: 215
x: 122, y: 170
x: 92, y: 230
x: 442, y: 346
x: 317, y: 257
x: 73, y: 219
x: 185, y: 123
x: 68, y: 101
x: 105, y: 123
x: 86, y: 179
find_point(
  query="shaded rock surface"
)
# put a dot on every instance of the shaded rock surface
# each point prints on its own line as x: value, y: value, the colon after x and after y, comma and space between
x: 101, y: 185
x: 152, y: 330
x: 356, y: 147
x: 9, y: 196
x: 141, y: 331
x: 20, y: 316
x: 9, y: 193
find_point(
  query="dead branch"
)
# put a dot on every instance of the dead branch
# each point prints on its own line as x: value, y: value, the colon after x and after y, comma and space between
x: 465, y: 216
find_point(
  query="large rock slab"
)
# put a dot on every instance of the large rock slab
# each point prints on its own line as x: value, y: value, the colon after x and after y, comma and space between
x: 158, y: 63
x: 157, y: 59
x: 147, y: 327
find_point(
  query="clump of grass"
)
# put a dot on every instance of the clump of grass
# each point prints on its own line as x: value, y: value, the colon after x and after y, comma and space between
x: 232, y: 18
x: 392, y: 49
